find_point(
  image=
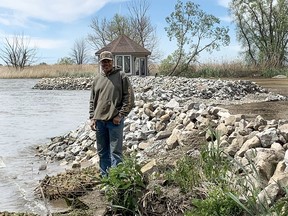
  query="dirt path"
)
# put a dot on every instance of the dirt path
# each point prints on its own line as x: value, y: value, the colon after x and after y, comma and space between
x: 268, y: 110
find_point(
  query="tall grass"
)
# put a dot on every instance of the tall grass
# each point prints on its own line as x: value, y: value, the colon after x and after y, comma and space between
x: 48, y: 71
x: 124, y: 186
x: 234, y: 69
x: 223, y: 191
x: 228, y: 69
x: 271, y: 72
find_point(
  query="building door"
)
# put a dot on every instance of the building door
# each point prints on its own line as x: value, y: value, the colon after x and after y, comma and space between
x: 124, y: 61
x: 140, y: 67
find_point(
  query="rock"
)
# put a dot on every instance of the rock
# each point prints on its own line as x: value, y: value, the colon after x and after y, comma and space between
x: 170, y: 112
x: 280, y: 77
x: 148, y: 168
x: 76, y: 165
x: 42, y: 167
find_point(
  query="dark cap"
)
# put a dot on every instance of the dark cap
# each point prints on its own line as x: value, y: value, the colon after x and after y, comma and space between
x: 106, y: 55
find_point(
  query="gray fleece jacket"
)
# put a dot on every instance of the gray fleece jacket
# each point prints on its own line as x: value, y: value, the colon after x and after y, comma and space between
x: 111, y: 95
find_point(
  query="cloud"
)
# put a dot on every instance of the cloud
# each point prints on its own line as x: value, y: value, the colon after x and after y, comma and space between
x: 39, y: 43
x: 43, y: 43
x: 224, y: 3
x: 9, y: 19
x: 52, y: 10
x: 226, y: 18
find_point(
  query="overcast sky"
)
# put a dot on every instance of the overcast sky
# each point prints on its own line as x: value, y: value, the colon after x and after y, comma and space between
x: 53, y: 26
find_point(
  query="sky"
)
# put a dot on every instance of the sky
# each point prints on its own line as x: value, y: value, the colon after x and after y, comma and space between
x: 53, y: 26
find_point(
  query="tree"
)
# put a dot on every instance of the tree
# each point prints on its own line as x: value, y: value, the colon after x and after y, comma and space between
x: 194, y: 31
x: 137, y: 26
x: 17, y: 53
x: 262, y: 30
x: 65, y: 61
x: 80, y: 51
x: 105, y: 31
x: 142, y: 30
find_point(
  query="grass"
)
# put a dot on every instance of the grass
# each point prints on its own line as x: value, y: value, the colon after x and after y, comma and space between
x: 223, y: 192
x: 233, y: 69
x: 124, y: 186
x: 227, y: 69
x: 48, y: 71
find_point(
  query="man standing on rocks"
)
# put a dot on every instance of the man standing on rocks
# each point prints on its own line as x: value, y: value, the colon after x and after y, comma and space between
x: 112, y: 98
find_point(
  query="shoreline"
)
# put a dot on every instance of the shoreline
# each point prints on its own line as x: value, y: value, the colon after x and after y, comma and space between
x: 174, y: 110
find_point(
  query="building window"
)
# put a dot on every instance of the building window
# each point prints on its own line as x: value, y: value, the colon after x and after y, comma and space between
x: 124, y: 61
x: 140, y: 66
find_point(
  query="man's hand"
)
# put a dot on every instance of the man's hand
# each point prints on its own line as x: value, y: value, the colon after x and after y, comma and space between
x: 93, y: 124
x: 117, y: 119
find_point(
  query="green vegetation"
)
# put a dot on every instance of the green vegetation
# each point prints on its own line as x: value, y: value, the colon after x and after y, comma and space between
x: 124, y: 187
x: 210, y: 179
x: 216, y: 203
x: 195, y: 32
x: 65, y: 61
x: 223, y: 70
x: 261, y: 28
x: 204, y: 182
x: 271, y: 72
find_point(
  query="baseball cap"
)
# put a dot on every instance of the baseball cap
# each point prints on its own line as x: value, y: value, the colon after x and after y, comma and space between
x: 106, y: 55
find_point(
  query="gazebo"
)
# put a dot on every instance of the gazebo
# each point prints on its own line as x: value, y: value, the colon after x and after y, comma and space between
x: 129, y: 55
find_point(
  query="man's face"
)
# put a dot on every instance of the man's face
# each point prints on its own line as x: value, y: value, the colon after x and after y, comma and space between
x: 106, y: 65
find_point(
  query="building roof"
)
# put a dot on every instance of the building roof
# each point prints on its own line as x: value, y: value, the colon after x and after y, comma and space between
x: 123, y: 45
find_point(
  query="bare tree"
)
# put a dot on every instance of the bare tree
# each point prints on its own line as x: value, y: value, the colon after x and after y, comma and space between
x: 144, y: 33
x: 80, y: 52
x: 137, y: 26
x: 262, y: 30
x: 98, y: 38
x: 16, y: 52
x: 105, y: 31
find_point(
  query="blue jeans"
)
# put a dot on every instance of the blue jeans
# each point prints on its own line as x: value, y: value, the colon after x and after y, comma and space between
x: 109, y: 139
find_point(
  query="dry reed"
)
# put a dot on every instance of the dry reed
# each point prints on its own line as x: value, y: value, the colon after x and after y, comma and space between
x: 234, y: 67
x: 48, y: 71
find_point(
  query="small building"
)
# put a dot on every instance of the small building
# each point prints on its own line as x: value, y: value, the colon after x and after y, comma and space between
x: 129, y: 55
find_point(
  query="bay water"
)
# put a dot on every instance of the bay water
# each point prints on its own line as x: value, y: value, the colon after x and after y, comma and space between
x: 30, y: 117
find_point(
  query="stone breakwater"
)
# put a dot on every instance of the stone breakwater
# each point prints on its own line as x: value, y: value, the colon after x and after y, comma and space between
x: 168, y: 117
x: 179, y: 88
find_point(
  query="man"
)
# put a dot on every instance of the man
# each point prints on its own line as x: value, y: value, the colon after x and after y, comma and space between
x: 112, y: 98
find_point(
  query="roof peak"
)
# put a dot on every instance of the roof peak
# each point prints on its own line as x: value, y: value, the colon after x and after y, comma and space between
x: 124, y: 44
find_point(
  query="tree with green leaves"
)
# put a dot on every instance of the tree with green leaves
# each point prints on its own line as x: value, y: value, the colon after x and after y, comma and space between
x: 195, y: 32
x: 262, y: 30
x: 65, y: 61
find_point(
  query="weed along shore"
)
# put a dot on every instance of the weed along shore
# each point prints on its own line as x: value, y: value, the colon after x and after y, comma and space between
x: 185, y: 154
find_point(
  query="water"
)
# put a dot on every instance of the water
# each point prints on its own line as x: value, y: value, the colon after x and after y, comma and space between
x: 29, y: 117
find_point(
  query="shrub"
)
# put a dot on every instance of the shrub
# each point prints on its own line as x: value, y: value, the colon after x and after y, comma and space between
x: 186, y: 174
x: 124, y: 186
x: 65, y: 61
x: 217, y: 203
x: 271, y: 72
x: 281, y: 206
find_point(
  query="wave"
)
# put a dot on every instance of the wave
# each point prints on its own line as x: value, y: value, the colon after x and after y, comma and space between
x: 2, y: 164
